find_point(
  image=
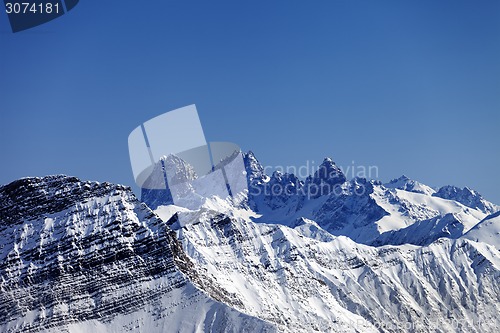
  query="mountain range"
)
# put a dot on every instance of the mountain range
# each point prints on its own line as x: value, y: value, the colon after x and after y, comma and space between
x: 323, y: 254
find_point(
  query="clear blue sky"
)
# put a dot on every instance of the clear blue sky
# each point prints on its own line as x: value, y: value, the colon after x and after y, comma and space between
x: 412, y: 87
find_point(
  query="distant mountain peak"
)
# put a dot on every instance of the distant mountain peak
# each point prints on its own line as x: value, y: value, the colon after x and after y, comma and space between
x: 401, y: 178
x: 255, y: 170
x: 329, y: 173
x: 177, y: 170
x: 328, y: 160
x: 410, y: 185
x: 466, y: 196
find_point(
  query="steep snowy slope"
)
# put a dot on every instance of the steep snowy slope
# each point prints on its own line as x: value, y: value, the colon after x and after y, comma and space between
x: 487, y: 231
x: 423, y: 232
x: 310, y: 282
x: 420, y: 219
x: 83, y: 256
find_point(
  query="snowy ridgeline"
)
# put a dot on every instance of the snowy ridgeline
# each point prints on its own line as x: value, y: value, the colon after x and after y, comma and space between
x: 360, y: 256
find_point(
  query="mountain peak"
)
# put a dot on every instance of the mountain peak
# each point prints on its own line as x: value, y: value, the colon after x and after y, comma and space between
x: 328, y: 172
x: 328, y: 160
x: 466, y: 197
x: 255, y: 170
x: 35, y: 196
x: 325, y: 178
x: 251, y: 154
x: 410, y: 185
x: 402, y: 178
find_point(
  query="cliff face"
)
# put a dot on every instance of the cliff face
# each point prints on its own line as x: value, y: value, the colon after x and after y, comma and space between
x: 78, y: 253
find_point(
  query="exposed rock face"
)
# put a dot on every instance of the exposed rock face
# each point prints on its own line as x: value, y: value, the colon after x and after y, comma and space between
x: 74, y: 253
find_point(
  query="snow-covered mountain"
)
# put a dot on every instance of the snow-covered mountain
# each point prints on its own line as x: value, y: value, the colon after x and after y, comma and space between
x: 369, y: 212
x: 305, y: 280
x: 83, y: 256
x: 323, y: 254
x: 281, y: 261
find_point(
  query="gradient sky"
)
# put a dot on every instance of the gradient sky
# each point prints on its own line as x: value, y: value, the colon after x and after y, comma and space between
x: 412, y: 87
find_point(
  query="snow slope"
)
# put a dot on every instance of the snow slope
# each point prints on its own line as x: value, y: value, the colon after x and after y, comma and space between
x: 487, y: 231
x: 304, y: 283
